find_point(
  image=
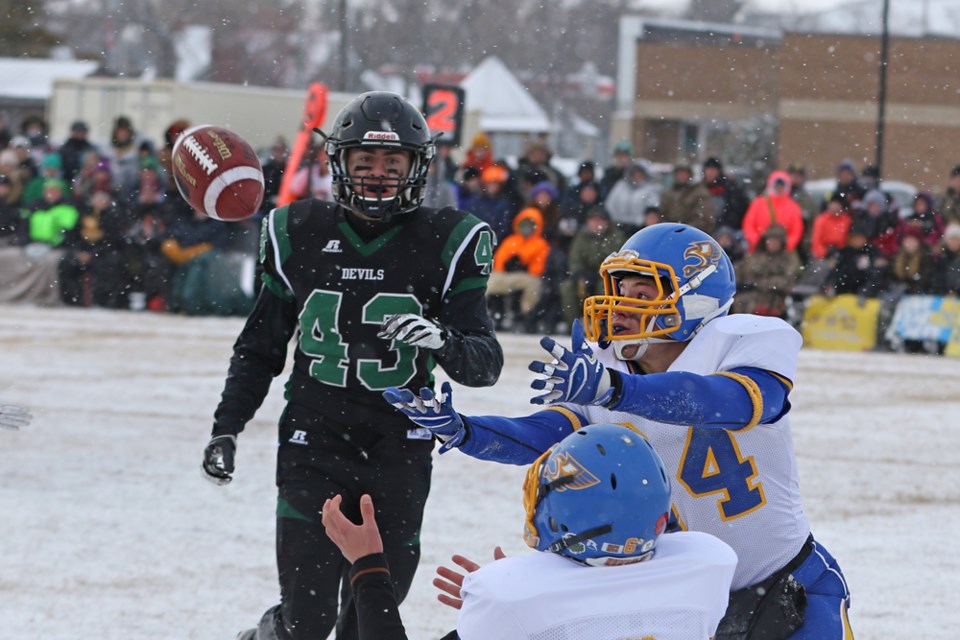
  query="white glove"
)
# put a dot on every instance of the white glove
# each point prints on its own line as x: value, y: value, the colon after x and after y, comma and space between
x: 414, y: 330
x: 14, y: 417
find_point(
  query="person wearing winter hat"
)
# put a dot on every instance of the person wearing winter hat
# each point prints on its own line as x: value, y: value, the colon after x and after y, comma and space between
x: 729, y: 200
x: 949, y: 204
x: 847, y: 184
x: 597, y: 239
x: 124, y: 156
x: 774, y: 206
x: 946, y: 270
x: 878, y: 220
x: 536, y: 159
x: 518, y: 266
x: 480, y: 154
x: 686, y: 201
x: 73, y: 149
x: 621, y: 157
x: 631, y: 196
x: 545, y: 197
x: 49, y: 168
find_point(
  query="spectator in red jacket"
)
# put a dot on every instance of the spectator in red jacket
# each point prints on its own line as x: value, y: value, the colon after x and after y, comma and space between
x: 774, y: 205
x: 830, y: 228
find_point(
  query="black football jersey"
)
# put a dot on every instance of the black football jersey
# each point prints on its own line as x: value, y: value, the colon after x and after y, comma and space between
x: 344, y: 287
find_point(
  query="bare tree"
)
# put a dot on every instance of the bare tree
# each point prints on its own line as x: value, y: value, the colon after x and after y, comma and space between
x: 23, y: 29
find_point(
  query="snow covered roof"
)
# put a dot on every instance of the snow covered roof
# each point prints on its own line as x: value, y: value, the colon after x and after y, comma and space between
x: 504, y: 104
x: 32, y: 78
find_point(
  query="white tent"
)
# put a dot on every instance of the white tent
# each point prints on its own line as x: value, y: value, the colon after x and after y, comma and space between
x: 504, y: 105
x: 506, y: 111
x: 32, y: 78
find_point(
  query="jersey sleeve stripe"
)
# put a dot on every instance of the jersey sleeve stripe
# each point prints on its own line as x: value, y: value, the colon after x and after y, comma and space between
x: 458, y: 249
x: 786, y: 381
x: 281, y: 242
x: 574, y: 419
x: 466, y: 285
x: 753, y: 389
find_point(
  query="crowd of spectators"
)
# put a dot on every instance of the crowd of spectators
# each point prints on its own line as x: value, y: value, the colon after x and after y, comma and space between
x: 87, y: 223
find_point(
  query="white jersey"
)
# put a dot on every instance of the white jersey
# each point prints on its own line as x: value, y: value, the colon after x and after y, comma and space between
x: 679, y: 594
x: 740, y: 486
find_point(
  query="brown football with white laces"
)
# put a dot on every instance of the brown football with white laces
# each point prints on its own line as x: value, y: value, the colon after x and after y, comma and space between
x: 218, y: 173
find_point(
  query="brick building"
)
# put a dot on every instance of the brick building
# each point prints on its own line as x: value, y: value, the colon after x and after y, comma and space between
x: 694, y: 90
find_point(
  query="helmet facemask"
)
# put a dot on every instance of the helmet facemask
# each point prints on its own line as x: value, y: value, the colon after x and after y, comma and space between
x: 352, y: 190
x: 658, y: 316
x: 380, y: 120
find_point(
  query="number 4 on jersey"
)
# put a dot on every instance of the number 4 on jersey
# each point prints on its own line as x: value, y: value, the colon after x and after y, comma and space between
x: 712, y: 464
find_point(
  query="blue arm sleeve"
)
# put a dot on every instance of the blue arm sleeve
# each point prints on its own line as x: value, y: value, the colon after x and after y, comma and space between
x: 517, y: 440
x: 734, y: 399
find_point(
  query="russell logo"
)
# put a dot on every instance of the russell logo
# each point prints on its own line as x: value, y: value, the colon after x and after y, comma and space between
x: 298, y: 437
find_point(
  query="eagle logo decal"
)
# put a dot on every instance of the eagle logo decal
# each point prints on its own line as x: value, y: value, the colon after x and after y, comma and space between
x: 566, y: 466
x: 703, y: 253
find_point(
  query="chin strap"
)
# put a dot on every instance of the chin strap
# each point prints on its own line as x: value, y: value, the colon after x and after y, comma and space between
x: 565, y: 543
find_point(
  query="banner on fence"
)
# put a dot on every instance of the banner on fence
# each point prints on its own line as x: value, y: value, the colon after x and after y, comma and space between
x: 928, y: 318
x: 842, y: 323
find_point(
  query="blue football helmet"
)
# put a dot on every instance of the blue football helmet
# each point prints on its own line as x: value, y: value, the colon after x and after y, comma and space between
x: 600, y: 496
x: 694, y: 279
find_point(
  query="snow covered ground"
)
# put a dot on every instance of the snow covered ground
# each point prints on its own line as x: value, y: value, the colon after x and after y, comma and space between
x: 107, y: 530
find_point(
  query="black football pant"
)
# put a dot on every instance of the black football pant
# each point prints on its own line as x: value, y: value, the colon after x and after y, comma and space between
x: 313, y: 573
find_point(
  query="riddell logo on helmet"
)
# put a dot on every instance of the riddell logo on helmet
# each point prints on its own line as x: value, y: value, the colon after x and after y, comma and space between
x: 382, y: 135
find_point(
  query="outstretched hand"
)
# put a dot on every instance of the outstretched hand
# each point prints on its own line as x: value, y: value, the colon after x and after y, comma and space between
x: 430, y: 411
x: 450, y: 581
x: 354, y: 541
x: 574, y: 376
x: 14, y: 417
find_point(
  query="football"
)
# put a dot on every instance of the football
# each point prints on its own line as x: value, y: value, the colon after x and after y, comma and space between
x: 218, y: 173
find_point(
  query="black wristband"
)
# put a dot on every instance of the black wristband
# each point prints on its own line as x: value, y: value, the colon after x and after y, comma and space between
x: 616, y: 383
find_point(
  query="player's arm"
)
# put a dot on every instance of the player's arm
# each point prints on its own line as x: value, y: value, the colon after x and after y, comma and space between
x: 735, y: 399
x: 259, y: 355
x: 260, y: 352
x: 516, y: 440
x: 471, y: 356
x: 495, y: 438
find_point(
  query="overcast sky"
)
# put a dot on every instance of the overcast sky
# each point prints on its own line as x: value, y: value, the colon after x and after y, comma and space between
x: 787, y: 6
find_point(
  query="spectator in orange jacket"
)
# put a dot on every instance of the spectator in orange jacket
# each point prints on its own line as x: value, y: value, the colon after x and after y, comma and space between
x: 518, y: 265
x: 774, y: 205
x: 830, y: 228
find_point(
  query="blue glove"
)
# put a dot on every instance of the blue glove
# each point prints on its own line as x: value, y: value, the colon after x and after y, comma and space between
x: 435, y: 413
x: 574, y: 376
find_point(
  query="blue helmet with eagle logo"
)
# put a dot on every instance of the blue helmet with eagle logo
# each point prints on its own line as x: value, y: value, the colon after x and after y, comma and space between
x: 600, y: 496
x: 694, y: 278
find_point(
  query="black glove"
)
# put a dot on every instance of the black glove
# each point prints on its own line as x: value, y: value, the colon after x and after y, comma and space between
x: 218, y: 459
x: 513, y: 265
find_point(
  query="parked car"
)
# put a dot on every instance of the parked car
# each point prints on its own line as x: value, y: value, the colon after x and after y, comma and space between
x: 903, y: 192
